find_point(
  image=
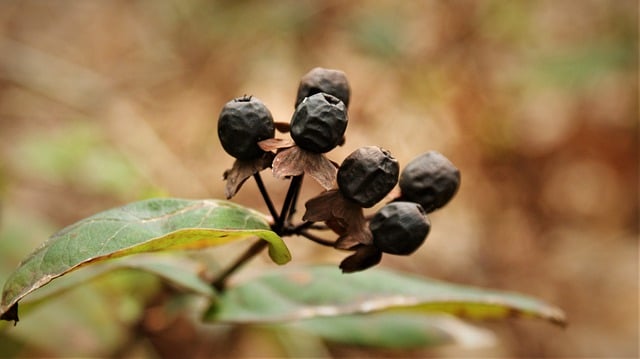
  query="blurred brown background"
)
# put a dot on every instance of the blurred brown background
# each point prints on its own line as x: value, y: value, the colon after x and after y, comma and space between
x: 106, y: 102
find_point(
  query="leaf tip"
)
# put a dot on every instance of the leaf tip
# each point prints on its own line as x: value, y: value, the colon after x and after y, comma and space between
x: 549, y: 313
x: 279, y: 256
x: 11, y: 314
x: 558, y: 317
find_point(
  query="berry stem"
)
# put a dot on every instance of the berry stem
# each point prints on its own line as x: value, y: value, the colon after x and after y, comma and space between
x: 294, y: 201
x: 265, y: 195
x: 310, y: 225
x: 256, y: 248
x: 220, y: 282
x: 299, y: 228
x: 288, y: 205
x: 314, y: 238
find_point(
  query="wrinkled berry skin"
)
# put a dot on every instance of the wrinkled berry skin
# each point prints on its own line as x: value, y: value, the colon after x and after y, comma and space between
x: 333, y: 82
x: 367, y: 175
x: 430, y: 180
x: 399, y: 228
x: 319, y: 122
x: 243, y: 122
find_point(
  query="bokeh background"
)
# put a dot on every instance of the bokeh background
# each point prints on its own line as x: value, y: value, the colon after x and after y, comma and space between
x: 107, y: 102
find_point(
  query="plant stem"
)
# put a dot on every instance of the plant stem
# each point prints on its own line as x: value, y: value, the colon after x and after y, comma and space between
x: 314, y: 238
x: 289, y: 204
x: 294, y: 201
x: 307, y: 225
x: 265, y: 195
x: 257, y: 247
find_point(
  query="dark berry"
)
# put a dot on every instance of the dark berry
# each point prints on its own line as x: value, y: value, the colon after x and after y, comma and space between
x: 243, y: 122
x: 319, y: 122
x: 333, y: 82
x: 431, y: 180
x: 367, y: 175
x: 399, y: 228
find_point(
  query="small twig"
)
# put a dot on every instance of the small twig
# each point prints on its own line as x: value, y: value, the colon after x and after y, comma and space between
x: 294, y: 186
x: 309, y: 225
x: 314, y: 238
x: 294, y: 201
x: 296, y: 229
x: 265, y: 195
x: 255, y: 249
x: 303, y: 227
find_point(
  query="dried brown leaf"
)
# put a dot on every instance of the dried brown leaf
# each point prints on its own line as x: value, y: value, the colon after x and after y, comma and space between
x: 323, y: 171
x: 295, y: 161
x: 320, y: 208
x: 357, y: 233
x: 242, y: 170
x: 337, y: 225
x: 364, y: 257
x: 343, y: 216
x: 273, y: 144
x: 346, y: 242
x: 283, y: 127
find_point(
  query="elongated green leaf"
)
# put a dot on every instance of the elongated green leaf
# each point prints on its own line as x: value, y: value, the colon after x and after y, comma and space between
x: 324, y: 291
x: 145, y: 226
x: 175, y: 270
x: 180, y: 272
x: 396, y: 330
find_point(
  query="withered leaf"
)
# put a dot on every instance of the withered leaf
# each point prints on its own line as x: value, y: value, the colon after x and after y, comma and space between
x: 357, y: 233
x: 242, y: 170
x: 11, y: 314
x: 273, y: 144
x: 343, y: 216
x: 337, y: 225
x: 283, y: 127
x: 346, y: 241
x: 364, y: 257
x: 295, y: 161
x: 320, y: 208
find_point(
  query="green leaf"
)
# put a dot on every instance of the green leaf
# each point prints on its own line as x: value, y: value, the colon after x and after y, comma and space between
x: 323, y: 291
x: 140, y: 227
x: 179, y: 271
x: 88, y: 320
x: 175, y: 270
x: 396, y: 330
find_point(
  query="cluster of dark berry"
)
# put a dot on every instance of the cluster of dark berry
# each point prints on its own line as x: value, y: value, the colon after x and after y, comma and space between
x: 367, y: 176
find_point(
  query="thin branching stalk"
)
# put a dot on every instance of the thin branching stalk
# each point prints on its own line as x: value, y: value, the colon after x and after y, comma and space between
x: 278, y: 227
x: 265, y: 195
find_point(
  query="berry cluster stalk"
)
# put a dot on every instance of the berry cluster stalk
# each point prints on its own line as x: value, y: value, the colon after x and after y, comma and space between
x: 265, y: 195
x: 281, y: 221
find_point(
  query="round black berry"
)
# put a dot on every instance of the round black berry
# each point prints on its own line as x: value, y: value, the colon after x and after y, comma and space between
x: 243, y: 122
x: 333, y: 82
x: 319, y: 122
x: 430, y: 180
x: 367, y: 175
x: 399, y: 228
